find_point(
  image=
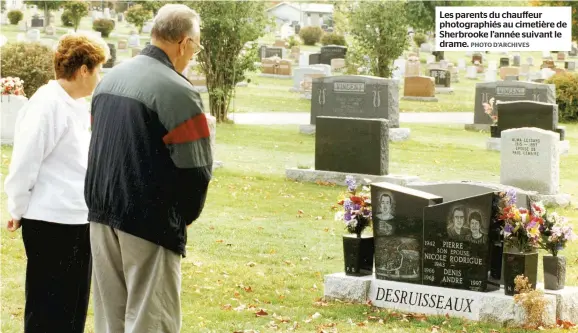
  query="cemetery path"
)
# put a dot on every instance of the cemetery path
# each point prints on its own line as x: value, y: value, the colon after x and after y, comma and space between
x: 302, y: 118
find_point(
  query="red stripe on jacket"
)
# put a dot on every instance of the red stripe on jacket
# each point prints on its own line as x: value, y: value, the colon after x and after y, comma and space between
x: 191, y: 130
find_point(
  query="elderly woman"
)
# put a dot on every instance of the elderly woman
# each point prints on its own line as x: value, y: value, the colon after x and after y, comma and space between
x: 45, y: 188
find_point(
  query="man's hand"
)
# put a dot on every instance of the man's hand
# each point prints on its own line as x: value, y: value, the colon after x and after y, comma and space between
x: 13, y: 225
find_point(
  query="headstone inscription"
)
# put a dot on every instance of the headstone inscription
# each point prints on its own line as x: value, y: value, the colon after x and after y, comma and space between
x: 355, y: 96
x: 271, y: 52
x: 337, y: 142
x: 331, y: 52
x: 398, y: 231
x: 510, y: 91
x: 456, y: 252
x: 442, y: 77
x: 534, y: 153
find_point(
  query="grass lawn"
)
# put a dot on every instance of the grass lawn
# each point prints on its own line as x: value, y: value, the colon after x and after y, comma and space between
x: 252, y: 249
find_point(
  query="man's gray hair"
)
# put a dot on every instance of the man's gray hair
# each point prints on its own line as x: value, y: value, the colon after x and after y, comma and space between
x: 175, y: 21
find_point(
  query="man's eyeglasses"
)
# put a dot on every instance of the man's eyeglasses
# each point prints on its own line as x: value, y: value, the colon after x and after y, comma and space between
x: 199, y: 46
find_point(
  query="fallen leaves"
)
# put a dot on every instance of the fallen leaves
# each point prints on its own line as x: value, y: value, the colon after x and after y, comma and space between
x: 564, y: 324
x: 261, y: 313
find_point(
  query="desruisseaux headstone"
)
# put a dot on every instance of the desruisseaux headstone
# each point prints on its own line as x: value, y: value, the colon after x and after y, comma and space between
x: 433, y: 257
x: 507, y: 91
x: 456, y: 244
x: 356, y: 96
x: 350, y: 146
x: 398, y: 231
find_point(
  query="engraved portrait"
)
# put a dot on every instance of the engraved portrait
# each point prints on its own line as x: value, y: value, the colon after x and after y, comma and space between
x: 457, y: 229
x: 399, y: 258
x: 478, y: 224
x: 385, y: 214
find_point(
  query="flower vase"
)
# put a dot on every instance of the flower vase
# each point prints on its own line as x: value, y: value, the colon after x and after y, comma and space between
x: 554, y: 272
x: 358, y: 255
x: 494, y: 131
x: 519, y: 263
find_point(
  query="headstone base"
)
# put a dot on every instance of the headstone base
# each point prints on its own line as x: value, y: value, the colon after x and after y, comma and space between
x: 276, y: 76
x: 477, y: 127
x: 395, y: 134
x: 444, y: 90
x: 313, y: 176
x: 495, y: 145
x: 418, y: 98
x: 494, y: 307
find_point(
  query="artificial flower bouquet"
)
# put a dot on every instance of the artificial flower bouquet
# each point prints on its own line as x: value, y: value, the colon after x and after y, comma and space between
x: 356, y: 212
x: 12, y: 86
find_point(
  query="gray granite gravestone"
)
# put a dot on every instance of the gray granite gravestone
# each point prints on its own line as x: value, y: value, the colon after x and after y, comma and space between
x: 510, y: 91
x: 355, y: 96
x: 505, y: 62
x: 37, y: 22
x: 331, y: 52
x: 112, y: 60
x: 397, y: 213
x: 442, y: 77
x: 262, y: 52
x: 338, y: 141
x: 516, y: 59
x: 274, y: 52
x: 518, y: 114
x: 314, y: 59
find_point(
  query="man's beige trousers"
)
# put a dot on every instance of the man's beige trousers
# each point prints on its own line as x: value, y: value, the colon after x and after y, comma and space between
x: 136, y: 284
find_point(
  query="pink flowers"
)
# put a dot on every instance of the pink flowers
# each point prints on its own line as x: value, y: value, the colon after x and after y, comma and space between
x: 12, y: 86
x: 489, y: 110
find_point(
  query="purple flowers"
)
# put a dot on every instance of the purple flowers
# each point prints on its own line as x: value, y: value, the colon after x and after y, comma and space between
x: 511, y: 194
x: 351, y: 183
x: 356, y: 213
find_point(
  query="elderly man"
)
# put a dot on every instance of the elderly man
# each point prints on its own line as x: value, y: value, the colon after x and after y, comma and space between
x: 148, y: 172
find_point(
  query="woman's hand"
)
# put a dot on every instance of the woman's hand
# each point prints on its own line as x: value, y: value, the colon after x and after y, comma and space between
x: 13, y: 225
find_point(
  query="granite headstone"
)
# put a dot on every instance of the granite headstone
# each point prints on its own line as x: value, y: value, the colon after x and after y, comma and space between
x: 510, y: 91
x: 518, y: 114
x: 356, y: 96
x: 398, y: 231
x: 456, y: 251
x: 530, y: 160
x: 442, y: 77
x: 337, y: 142
x: 331, y: 52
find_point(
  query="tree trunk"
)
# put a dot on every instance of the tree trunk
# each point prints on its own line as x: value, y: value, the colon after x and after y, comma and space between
x: 218, y: 105
x: 46, y: 16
